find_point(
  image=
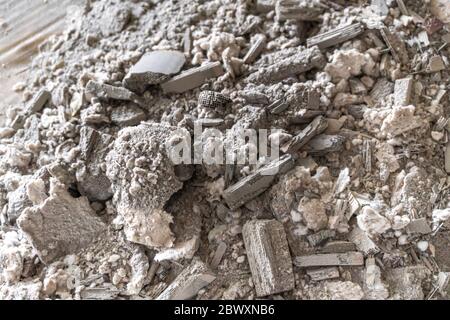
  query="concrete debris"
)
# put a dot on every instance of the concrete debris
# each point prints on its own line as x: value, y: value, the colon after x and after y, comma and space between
x: 336, y: 36
x: 190, y: 149
x: 253, y: 185
x: 305, y: 60
x: 323, y: 273
x: 330, y: 259
x: 188, y: 283
x: 299, y: 10
x: 153, y: 68
x: 61, y: 225
x: 268, y: 255
x: 192, y: 78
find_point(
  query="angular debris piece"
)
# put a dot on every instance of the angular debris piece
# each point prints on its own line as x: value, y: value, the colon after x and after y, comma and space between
x: 330, y: 259
x: 321, y: 236
x: 256, y: 183
x: 447, y: 158
x: 402, y: 7
x: 396, y: 45
x: 218, y: 255
x: 357, y: 87
x: 278, y: 106
x: 264, y: 6
x: 335, y: 36
x: 324, y: 143
x: 61, y: 225
x: 402, y: 91
x: 300, y: 10
x: 303, y: 61
x: 363, y: 241
x: 127, y: 116
x: 419, y: 226
x: 338, y: 247
x: 268, y: 256
x: 206, y: 123
x: 153, y: 68
x: 317, y: 126
x: 435, y: 64
x: 256, y: 49
x: 189, y: 282
x: 187, y: 41
x: 374, y: 287
x: 212, y: 99
x: 38, y: 102
x: 406, y: 283
x: 323, y: 273
x: 106, y: 91
x: 193, y: 78
x: 382, y: 88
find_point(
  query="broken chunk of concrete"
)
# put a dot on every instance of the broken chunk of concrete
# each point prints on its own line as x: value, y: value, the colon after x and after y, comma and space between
x: 400, y: 120
x: 317, y: 126
x: 127, y: 115
x: 105, y: 91
x: 435, y: 64
x: 193, y: 78
x: 313, y: 213
x: 336, y: 36
x: 256, y: 183
x: 143, y: 179
x: 153, y: 68
x: 268, y: 256
x: 330, y: 259
x: 372, y: 222
x: 374, y: 287
x: 320, y: 237
x: 305, y: 60
x: 406, y: 283
x: 61, y: 225
x: 189, y: 282
x: 363, y: 242
x: 419, y: 226
x: 38, y: 102
x: 402, y: 91
x: 323, y: 273
x: 300, y: 10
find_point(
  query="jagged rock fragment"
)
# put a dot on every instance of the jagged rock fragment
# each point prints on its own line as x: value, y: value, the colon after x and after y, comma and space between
x: 105, y: 91
x: 363, y: 242
x: 402, y: 91
x: 256, y: 183
x: 153, y: 68
x: 303, y: 61
x: 323, y: 273
x: 313, y: 212
x: 330, y: 259
x: 317, y: 126
x: 187, y: 284
x: 61, y: 225
x: 419, y: 226
x: 127, y: 116
x: 193, y: 78
x: 325, y: 143
x: 400, y: 120
x: 38, y: 102
x: 321, y: 236
x: 300, y: 10
x: 369, y: 220
x: 396, y: 45
x: 374, y: 287
x: 256, y: 48
x: 336, y: 36
x: 268, y: 255
x: 435, y: 64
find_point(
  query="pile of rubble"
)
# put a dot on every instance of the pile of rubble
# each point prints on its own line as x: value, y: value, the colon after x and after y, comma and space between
x: 356, y: 206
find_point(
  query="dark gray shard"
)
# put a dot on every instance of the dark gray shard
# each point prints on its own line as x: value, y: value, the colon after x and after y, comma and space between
x: 278, y: 106
x: 184, y: 172
x: 38, y: 102
x: 153, y: 68
x: 357, y: 87
x: 212, y: 99
x: 193, y: 78
x: 127, y: 115
x: 95, y: 187
x: 18, y: 122
x: 325, y: 143
x: 382, y: 88
x: 323, y: 273
x: 338, y: 247
x: 419, y: 226
x: 317, y: 126
x: 357, y: 111
x: 206, y: 122
x: 253, y: 185
x: 268, y: 256
x: 189, y: 282
x: 300, y: 10
x: 305, y: 60
x: 330, y: 259
x: 106, y: 91
x: 115, y: 19
x: 396, y: 45
x: 256, y: 48
x: 320, y: 237
x: 336, y: 36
